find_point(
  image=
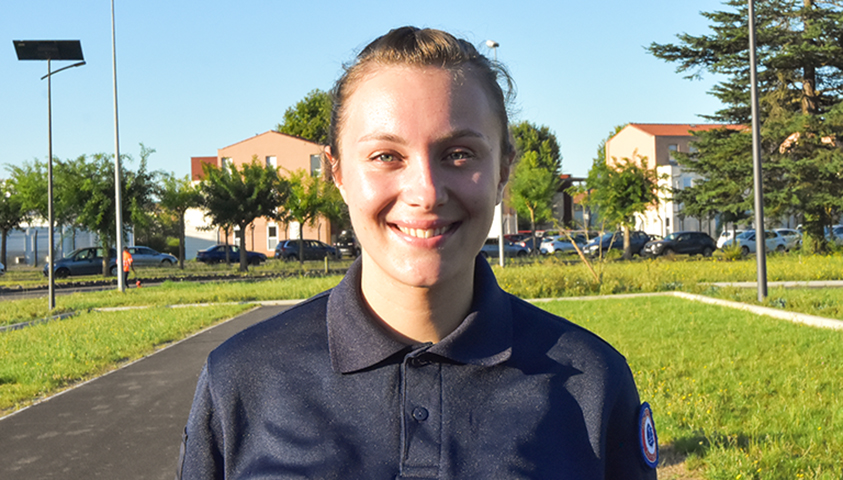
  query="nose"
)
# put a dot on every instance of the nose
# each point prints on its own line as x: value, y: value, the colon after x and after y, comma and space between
x: 424, y: 183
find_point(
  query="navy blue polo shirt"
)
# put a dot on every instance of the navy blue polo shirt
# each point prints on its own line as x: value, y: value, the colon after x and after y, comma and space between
x: 324, y: 391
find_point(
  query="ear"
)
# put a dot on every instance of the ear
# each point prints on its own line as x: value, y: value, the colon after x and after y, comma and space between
x: 336, y: 174
x: 506, y: 167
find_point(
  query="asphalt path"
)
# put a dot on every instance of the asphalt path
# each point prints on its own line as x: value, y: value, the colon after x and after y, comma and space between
x: 125, y: 425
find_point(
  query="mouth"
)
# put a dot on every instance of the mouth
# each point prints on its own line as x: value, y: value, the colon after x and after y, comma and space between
x: 426, y: 233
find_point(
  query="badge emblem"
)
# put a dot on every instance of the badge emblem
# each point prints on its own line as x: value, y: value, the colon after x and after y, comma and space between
x: 647, y: 435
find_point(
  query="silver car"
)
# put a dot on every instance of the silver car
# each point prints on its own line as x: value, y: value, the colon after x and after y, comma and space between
x: 147, y: 257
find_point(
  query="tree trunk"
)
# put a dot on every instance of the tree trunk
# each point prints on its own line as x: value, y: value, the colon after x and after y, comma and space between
x: 3, y: 248
x: 105, y: 258
x: 181, y: 241
x: 301, y: 245
x: 809, y: 78
x: 244, y: 261
x: 627, y: 248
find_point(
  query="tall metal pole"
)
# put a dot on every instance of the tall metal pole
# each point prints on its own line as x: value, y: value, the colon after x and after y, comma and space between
x: 499, y: 207
x: 118, y: 197
x: 51, y: 245
x: 760, y: 233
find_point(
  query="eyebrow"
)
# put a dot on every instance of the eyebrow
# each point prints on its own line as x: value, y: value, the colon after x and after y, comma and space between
x: 389, y: 137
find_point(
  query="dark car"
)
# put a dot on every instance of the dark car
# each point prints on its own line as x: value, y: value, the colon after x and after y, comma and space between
x: 685, y: 243
x: 84, y: 261
x: 347, y: 245
x: 216, y: 254
x: 614, y: 241
x: 313, y: 250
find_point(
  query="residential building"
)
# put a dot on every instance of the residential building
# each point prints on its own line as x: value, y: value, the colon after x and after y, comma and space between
x: 657, y: 143
x: 278, y: 150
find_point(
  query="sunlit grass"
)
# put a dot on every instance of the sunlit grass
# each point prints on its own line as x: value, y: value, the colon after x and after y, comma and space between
x: 170, y: 293
x: 743, y: 396
x: 46, y: 358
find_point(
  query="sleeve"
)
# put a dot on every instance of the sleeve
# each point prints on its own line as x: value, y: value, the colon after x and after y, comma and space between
x: 625, y: 458
x: 201, y: 454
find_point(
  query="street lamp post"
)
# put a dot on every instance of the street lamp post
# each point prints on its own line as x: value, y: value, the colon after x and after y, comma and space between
x: 50, y: 50
x: 499, y: 207
x: 760, y: 233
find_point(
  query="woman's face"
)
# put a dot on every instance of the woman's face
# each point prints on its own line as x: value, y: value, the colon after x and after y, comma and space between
x: 421, y: 171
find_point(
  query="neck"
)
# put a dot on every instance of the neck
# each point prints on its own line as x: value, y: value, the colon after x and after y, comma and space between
x: 417, y: 314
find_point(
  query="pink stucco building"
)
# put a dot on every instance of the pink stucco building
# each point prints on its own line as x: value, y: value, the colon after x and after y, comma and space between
x: 657, y: 142
x: 284, y: 152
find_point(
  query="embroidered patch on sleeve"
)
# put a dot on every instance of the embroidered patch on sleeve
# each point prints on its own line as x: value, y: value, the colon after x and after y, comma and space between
x: 647, y: 435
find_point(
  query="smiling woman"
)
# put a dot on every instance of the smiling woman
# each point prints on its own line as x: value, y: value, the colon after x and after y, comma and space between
x: 417, y: 365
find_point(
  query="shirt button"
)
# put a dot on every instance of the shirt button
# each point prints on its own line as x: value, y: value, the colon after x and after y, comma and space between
x: 420, y: 414
x: 418, y: 362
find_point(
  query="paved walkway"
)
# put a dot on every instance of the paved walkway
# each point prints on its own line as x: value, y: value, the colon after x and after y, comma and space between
x: 122, y: 426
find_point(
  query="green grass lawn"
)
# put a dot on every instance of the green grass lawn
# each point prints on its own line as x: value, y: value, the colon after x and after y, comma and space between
x: 46, y: 358
x: 743, y: 396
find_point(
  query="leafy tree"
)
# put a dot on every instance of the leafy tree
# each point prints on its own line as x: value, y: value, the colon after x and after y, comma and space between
x: 535, y: 179
x: 235, y: 197
x: 309, y: 197
x: 726, y: 184
x: 542, y: 142
x: 88, y: 186
x: 800, y: 84
x: 310, y: 118
x: 12, y: 214
x: 622, y: 190
x: 175, y: 197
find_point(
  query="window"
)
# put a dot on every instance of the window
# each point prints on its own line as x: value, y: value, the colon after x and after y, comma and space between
x: 271, y: 236
x: 272, y: 161
x: 315, y: 165
x: 224, y: 162
x: 236, y: 235
x: 670, y: 149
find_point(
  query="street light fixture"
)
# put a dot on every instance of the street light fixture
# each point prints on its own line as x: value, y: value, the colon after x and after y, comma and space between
x: 50, y: 50
x: 499, y: 207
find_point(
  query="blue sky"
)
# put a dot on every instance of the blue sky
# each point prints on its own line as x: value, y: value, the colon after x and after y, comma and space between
x: 197, y: 76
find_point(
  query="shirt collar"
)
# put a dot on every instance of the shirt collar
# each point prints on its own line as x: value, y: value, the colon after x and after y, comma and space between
x: 356, y: 340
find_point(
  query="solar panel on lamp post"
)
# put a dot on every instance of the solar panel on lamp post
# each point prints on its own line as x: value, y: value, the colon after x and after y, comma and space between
x: 50, y: 50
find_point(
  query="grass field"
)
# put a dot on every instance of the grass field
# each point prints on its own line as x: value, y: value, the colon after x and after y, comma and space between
x: 743, y: 396
x: 46, y: 358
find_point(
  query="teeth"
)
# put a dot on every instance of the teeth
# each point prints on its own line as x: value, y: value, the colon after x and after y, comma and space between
x: 423, y: 233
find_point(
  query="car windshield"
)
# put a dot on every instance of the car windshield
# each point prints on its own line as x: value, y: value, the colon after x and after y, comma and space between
x: 671, y: 236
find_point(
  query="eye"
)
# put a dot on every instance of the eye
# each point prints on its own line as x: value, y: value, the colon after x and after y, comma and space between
x: 459, y: 156
x: 384, y: 158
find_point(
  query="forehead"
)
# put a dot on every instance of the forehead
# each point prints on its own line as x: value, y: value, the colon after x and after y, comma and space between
x: 416, y: 97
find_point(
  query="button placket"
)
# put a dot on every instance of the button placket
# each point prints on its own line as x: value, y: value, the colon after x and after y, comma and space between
x: 422, y: 425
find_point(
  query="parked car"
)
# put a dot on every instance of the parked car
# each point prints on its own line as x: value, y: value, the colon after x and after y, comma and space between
x: 216, y: 254
x: 684, y: 243
x: 83, y: 261
x: 726, y: 235
x: 147, y: 257
x: 561, y: 244
x: 792, y: 236
x: 773, y: 242
x: 529, y: 243
x: 2, y: 269
x: 347, y: 244
x: 492, y: 249
x: 836, y: 234
x: 313, y: 250
x: 614, y: 241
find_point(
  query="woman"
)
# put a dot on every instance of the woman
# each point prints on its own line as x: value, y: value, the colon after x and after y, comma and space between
x: 417, y: 365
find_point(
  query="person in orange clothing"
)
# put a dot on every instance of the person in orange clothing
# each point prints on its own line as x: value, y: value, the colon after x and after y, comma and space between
x: 128, y: 264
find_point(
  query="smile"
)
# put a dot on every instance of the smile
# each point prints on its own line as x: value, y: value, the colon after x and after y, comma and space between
x: 424, y: 232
